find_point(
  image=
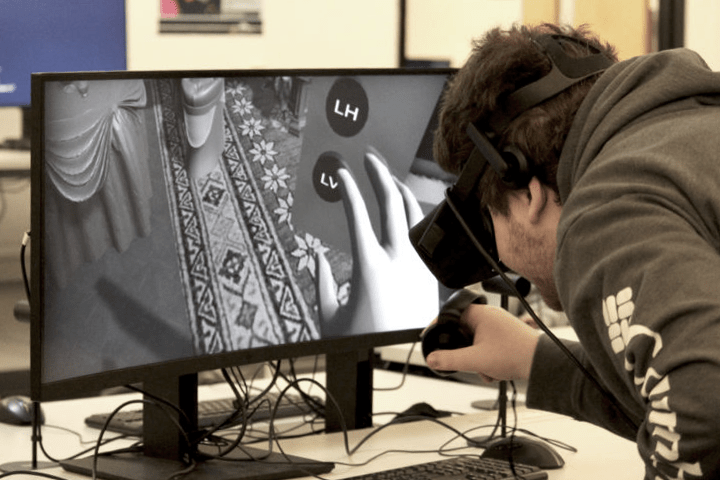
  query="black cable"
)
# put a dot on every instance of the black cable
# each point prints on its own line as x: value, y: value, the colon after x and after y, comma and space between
x: 247, y: 406
x: 313, y: 403
x: 242, y: 412
x: 23, y: 267
x: 317, y: 406
x: 350, y: 451
x: 596, y: 383
x: 79, y: 454
x: 150, y: 399
x: 405, y: 371
x: 273, y: 438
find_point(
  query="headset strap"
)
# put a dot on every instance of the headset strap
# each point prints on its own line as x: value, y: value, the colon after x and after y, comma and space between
x: 465, y: 184
x: 566, y: 71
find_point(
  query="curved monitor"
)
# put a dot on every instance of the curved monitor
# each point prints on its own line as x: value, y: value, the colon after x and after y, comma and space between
x: 184, y: 221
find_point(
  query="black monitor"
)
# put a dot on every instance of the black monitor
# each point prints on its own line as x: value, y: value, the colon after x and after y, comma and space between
x: 185, y: 221
x: 52, y: 36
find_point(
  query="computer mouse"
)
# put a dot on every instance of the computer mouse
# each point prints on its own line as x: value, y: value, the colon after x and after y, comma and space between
x: 523, y: 450
x: 419, y: 411
x: 17, y: 410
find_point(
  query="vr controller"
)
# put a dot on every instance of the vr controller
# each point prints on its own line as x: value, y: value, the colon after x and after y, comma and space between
x: 448, y: 333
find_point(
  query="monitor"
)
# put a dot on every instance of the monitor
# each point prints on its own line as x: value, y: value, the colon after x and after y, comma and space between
x: 185, y: 221
x: 52, y: 36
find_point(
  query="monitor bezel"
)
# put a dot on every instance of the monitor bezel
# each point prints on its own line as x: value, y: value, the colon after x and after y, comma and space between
x: 89, y: 385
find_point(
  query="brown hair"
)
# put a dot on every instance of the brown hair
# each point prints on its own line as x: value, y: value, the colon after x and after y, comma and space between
x: 501, y: 62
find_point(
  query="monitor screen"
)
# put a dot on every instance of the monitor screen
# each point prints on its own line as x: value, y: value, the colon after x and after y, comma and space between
x: 187, y: 221
x: 52, y: 36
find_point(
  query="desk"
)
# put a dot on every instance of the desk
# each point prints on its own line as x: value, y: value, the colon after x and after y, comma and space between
x: 600, y: 454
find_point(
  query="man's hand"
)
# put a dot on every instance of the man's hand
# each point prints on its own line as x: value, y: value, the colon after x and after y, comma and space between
x: 503, y: 346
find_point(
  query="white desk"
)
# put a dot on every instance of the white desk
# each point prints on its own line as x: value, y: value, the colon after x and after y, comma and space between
x: 600, y: 454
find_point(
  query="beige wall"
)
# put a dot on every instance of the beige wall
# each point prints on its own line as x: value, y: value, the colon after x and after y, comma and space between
x: 444, y: 30
x: 623, y: 23
x: 701, y: 33
x: 322, y: 34
x: 304, y: 33
x: 540, y: 11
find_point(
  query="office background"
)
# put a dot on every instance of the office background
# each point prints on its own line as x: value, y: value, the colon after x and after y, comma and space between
x: 357, y: 33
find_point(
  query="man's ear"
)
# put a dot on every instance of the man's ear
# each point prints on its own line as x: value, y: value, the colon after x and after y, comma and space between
x: 538, y: 199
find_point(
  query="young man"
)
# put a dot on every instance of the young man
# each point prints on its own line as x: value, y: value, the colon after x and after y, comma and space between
x: 618, y: 226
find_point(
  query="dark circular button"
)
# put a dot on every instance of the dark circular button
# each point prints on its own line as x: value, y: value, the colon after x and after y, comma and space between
x: 325, y: 178
x: 346, y: 107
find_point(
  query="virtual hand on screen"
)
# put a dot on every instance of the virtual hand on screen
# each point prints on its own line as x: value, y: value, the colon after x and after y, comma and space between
x: 503, y: 346
x: 390, y: 289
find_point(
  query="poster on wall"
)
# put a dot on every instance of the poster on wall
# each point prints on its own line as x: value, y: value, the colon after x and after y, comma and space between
x: 211, y: 16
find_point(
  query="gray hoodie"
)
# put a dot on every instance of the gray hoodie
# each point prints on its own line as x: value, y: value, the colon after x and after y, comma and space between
x: 638, y: 263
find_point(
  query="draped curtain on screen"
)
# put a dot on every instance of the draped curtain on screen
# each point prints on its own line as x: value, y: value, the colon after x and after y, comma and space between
x: 96, y: 156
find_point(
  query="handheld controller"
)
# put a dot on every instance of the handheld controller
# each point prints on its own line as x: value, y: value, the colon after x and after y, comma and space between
x: 448, y: 333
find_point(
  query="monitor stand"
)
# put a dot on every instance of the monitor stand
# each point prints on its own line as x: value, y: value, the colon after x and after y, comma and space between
x: 129, y: 466
x: 164, y: 447
x: 349, y: 380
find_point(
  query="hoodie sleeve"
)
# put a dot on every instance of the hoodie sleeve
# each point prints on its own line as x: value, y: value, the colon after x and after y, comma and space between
x: 556, y: 385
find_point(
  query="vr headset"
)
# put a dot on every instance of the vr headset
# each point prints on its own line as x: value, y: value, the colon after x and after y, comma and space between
x: 456, y: 239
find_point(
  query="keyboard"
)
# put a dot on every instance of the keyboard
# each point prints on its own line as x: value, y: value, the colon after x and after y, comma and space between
x: 457, y: 468
x: 210, y: 413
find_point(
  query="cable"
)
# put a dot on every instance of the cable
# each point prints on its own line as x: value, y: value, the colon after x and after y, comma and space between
x: 153, y: 400
x: 26, y: 279
x: 312, y: 402
x: 405, y: 371
x: 596, y: 383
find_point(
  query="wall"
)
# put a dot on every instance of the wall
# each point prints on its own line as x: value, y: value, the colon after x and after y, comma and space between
x: 442, y: 30
x: 624, y: 23
x: 321, y: 34
x: 14, y: 222
x: 701, y: 33
x: 306, y: 33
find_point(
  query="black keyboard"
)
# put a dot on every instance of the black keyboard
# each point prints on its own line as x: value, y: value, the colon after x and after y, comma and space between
x: 457, y: 468
x: 210, y: 413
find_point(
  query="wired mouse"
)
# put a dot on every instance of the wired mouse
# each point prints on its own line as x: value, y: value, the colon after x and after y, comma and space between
x: 523, y: 450
x: 17, y: 410
x: 419, y: 411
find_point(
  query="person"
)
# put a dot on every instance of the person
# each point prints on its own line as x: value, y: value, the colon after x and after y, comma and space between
x: 618, y: 226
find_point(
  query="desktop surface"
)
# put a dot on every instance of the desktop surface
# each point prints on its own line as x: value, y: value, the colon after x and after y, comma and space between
x: 395, y: 446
